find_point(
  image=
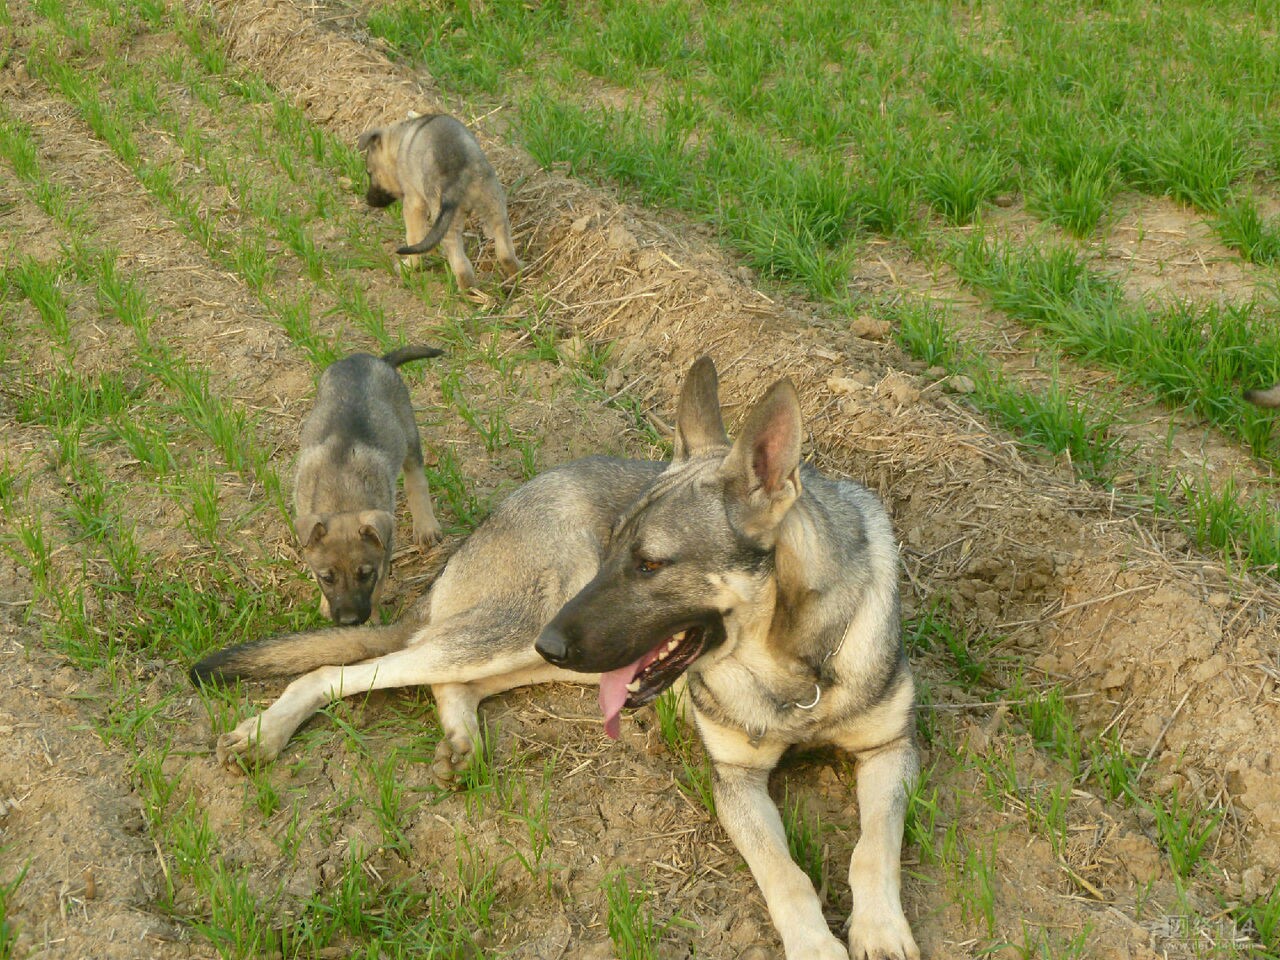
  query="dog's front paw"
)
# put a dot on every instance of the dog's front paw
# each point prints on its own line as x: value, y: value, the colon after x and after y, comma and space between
x: 821, y: 945
x: 248, y: 744
x: 453, y: 755
x: 881, y: 936
x: 428, y: 534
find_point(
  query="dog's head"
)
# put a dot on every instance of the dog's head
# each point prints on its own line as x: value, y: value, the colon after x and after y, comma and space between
x: 350, y: 556
x: 378, y: 147
x: 691, y: 562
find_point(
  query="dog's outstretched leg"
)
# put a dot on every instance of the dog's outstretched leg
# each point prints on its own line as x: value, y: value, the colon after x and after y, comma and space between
x: 438, y: 657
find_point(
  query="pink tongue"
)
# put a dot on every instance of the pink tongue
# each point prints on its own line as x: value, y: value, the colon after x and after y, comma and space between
x: 613, y: 695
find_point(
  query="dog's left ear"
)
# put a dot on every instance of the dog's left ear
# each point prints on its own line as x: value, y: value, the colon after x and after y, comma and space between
x: 368, y: 139
x: 763, y: 468
x: 377, y: 526
x: 699, y: 427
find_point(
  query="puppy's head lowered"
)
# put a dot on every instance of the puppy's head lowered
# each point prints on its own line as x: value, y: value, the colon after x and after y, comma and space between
x: 350, y: 556
x: 379, y: 149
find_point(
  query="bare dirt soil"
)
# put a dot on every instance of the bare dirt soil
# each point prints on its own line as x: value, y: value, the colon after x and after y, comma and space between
x: 1161, y: 644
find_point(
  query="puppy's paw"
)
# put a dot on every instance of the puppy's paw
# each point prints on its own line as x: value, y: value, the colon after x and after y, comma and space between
x: 881, y: 936
x: 427, y: 534
x: 408, y: 265
x: 453, y: 755
x: 248, y: 745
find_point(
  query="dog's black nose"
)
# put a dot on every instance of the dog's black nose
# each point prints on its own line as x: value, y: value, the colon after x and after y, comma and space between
x: 552, y: 646
x: 351, y: 618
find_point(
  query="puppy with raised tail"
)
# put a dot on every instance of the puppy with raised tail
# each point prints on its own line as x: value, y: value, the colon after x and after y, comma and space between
x: 435, y: 167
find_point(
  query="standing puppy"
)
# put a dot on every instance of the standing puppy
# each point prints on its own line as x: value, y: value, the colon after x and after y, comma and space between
x: 357, y: 438
x: 435, y: 167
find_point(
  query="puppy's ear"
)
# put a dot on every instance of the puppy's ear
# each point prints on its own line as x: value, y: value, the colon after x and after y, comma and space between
x: 762, y: 471
x: 368, y: 140
x: 378, y: 527
x: 699, y: 427
x: 310, y: 528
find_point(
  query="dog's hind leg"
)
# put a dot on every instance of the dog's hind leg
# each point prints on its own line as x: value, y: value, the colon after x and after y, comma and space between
x: 455, y: 251
x: 417, y: 224
x: 445, y: 653
x: 457, y: 705
x: 499, y: 229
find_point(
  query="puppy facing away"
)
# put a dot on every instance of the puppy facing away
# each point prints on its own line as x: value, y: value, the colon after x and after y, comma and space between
x: 1264, y: 398
x: 359, y: 435
x: 433, y: 165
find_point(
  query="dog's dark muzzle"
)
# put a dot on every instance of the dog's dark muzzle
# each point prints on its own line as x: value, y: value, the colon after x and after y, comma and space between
x: 553, y: 646
x: 350, y: 612
x: 377, y: 197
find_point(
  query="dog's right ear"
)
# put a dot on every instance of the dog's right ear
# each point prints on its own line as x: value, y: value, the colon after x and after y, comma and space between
x: 699, y: 427
x: 310, y: 529
x: 368, y: 139
x: 377, y: 526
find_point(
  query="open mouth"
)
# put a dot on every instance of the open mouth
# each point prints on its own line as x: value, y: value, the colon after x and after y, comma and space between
x: 638, y: 683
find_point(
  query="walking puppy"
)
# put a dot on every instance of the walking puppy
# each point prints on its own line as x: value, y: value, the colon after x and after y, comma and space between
x: 771, y: 588
x: 359, y: 435
x: 1264, y: 398
x: 435, y: 167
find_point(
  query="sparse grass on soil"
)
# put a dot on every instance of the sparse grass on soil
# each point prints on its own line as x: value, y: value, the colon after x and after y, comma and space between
x: 185, y: 249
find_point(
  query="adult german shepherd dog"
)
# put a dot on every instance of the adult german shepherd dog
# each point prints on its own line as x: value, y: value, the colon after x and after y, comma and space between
x: 771, y: 589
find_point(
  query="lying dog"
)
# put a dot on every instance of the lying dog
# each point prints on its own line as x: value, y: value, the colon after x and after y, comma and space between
x: 771, y: 588
x: 435, y: 167
x: 359, y: 435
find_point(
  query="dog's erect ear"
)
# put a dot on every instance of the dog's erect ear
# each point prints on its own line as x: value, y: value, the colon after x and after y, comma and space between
x: 698, y: 424
x: 763, y: 468
x: 311, y: 529
x: 368, y: 139
x: 377, y: 526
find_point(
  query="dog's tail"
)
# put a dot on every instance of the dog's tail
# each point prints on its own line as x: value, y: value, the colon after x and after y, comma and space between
x: 1264, y: 398
x: 448, y: 207
x: 405, y: 354
x: 295, y: 653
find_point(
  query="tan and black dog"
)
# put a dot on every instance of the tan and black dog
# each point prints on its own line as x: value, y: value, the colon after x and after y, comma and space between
x: 359, y: 435
x: 771, y: 589
x: 433, y: 165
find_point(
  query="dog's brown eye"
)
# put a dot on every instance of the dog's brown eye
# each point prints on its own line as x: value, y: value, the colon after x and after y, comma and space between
x: 645, y: 565
x: 326, y: 577
x: 366, y: 574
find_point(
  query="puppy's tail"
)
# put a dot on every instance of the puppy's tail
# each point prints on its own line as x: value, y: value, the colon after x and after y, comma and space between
x: 405, y: 354
x: 448, y: 207
x: 1264, y: 398
x: 295, y: 653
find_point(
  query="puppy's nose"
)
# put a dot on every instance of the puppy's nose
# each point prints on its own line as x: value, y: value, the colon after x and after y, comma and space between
x: 552, y: 646
x: 351, y: 618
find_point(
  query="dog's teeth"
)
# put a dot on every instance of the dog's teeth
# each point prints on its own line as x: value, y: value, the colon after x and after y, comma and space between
x: 662, y: 654
x: 634, y: 686
x: 677, y: 637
